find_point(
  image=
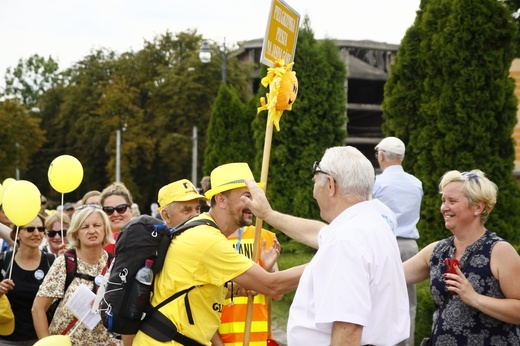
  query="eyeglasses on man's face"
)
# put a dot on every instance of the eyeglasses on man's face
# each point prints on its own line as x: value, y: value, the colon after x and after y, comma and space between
x: 121, y: 209
x: 316, y: 169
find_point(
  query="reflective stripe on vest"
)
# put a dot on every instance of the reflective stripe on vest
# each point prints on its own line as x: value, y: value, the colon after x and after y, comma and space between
x: 233, y: 322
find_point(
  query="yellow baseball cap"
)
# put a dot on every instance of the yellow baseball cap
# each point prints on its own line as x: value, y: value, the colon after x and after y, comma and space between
x: 178, y: 191
x: 6, y: 317
x: 228, y: 177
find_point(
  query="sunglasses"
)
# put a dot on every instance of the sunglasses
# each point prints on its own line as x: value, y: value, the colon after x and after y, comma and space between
x: 44, y: 202
x: 52, y: 233
x: 31, y: 229
x: 471, y: 175
x: 316, y: 168
x: 91, y: 205
x: 121, y: 209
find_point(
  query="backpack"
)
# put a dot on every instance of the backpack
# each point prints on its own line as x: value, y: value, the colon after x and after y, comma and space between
x: 144, y: 237
x: 71, y: 263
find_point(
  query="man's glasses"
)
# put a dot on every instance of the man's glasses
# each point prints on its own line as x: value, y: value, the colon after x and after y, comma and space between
x: 44, y: 202
x: 316, y: 168
x: 377, y: 153
x: 471, y: 175
x: 121, y: 209
x: 52, y: 233
x: 31, y: 229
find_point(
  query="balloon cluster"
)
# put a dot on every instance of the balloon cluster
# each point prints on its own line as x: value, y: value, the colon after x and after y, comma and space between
x: 21, y: 199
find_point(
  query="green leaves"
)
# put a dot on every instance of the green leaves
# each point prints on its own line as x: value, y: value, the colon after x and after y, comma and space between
x: 449, y: 98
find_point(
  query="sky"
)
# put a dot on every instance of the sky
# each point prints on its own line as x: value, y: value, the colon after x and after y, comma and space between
x: 68, y: 30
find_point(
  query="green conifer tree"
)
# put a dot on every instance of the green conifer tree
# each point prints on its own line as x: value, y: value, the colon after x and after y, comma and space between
x: 449, y: 97
x: 230, y: 136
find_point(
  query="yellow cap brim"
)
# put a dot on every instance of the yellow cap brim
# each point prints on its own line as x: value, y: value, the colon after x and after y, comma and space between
x: 219, y: 189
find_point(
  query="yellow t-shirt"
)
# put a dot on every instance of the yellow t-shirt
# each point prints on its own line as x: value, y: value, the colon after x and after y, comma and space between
x: 199, y: 256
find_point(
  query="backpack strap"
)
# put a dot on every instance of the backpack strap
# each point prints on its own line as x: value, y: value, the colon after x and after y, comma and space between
x: 6, y: 262
x: 7, y: 257
x: 50, y: 257
x: 187, y: 225
x: 71, y: 261
x: 150, y: 327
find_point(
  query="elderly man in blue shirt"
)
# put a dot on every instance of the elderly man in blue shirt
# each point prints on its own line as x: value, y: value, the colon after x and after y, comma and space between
x: 402, y: 193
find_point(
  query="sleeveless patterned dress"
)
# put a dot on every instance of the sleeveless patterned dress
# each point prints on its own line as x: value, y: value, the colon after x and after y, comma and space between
x: 460, y: 324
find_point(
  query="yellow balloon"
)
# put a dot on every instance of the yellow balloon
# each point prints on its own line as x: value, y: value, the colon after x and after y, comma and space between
x: 1, y: 193
x: 54, y: 340
x: 65, y: 173
x: 21, y: 202
x: 7, y: 182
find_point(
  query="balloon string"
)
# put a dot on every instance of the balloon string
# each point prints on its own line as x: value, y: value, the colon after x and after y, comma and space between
x: 61, y: 219
x: 79, y: 322
x: 14, y: 252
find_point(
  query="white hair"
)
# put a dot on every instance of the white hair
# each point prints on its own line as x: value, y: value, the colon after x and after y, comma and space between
x: 352, y: 171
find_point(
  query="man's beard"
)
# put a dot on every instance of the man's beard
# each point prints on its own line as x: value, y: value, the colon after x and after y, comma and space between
x: 245, y: 220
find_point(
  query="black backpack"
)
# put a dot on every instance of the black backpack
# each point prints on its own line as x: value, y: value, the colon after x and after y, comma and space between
x: 144, y: 237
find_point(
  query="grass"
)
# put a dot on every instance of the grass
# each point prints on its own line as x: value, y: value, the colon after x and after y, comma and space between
x: 293, y: 254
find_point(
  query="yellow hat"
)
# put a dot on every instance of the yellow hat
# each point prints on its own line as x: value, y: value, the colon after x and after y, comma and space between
x: 6, y: 317
x: 228, y: 177
x: 178, y: 191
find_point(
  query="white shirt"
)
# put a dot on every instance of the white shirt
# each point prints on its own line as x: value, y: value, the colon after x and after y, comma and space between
x: 357, y: 277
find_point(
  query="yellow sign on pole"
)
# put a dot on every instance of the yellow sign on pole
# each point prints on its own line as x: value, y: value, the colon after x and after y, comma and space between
x: 281, y: 34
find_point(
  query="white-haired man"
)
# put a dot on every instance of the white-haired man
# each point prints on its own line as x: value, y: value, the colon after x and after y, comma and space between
x: 353, y: 292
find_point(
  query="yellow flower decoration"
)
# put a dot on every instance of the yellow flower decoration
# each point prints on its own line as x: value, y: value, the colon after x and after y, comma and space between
x: 283, y: 87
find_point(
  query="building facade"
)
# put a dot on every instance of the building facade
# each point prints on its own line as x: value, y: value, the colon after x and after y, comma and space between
x: 368, y: 67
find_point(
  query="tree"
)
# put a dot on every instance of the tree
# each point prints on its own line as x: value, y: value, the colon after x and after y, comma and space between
x: 30, y: 79
x: 316, y: 122
x: 21, y: 137
x: 159, y: 92
x: 230, y: 133
x: 450, y: 99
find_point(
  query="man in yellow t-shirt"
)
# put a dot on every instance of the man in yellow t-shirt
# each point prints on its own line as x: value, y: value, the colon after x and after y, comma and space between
x: 201, y: 257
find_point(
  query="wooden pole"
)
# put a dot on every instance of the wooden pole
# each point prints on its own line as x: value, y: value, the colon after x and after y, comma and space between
x: 258, y: 224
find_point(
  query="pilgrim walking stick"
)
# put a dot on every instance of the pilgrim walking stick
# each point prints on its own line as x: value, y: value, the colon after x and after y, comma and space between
x: 283, y: 87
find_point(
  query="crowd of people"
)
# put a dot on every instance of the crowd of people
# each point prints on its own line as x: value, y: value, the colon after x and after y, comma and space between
x: 358, y: 289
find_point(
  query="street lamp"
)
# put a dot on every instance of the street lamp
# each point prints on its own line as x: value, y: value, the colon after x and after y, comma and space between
x: 118, y: 152
x: 205, y: 55
x: 194, y: 149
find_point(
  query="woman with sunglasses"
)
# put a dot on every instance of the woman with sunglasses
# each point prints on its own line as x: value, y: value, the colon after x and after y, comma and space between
x: 56, y: 238
x: 88, y: 233
x: 116, y: 201
x: 26, y: 273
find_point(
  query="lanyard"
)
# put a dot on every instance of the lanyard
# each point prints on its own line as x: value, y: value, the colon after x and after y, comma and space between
x: 239, y: 241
